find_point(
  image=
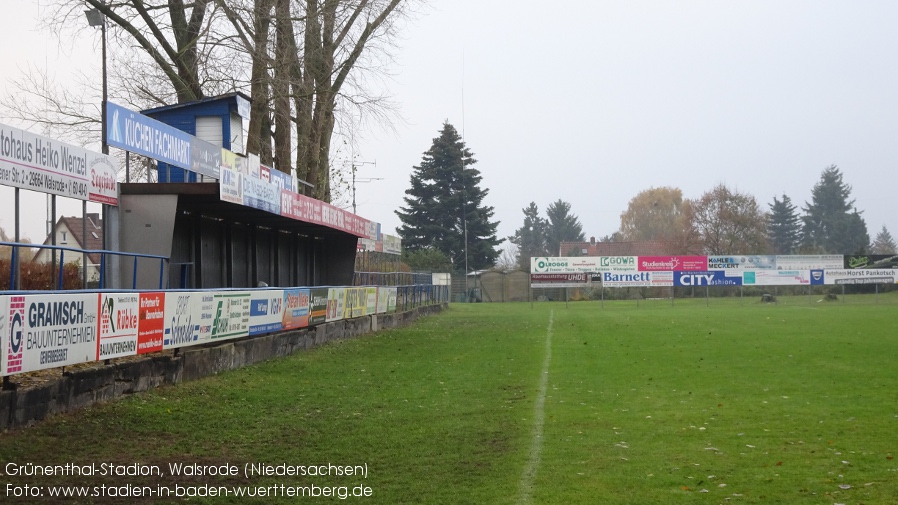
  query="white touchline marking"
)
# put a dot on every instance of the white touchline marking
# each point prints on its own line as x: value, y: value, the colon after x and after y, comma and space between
x: 525, y: 487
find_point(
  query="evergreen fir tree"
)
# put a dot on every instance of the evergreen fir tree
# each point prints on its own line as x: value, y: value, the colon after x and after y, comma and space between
x: 562, y: 226
x: 445, y: 203
x: 831, y: 225
x: 884, y: 244
x: 784, y: 226
x: 530, y: 238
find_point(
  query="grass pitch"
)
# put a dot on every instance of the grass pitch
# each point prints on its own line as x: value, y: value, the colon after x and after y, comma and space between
x: 554, y: 403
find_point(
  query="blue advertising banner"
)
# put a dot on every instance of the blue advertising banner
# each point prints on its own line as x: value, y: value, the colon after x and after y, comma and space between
x: 710, y: 278
x: 140, y: 134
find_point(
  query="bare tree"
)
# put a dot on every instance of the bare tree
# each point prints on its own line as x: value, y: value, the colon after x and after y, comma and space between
x: 301, y: 61
x: 508, y: 258
x: 729, y: 222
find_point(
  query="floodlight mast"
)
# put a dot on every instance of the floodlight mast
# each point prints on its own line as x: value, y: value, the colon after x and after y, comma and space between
x: 97, y: 18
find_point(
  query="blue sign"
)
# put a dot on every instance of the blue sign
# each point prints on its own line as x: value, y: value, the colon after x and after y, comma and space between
x: 713, y: 278
x: 140, y: 134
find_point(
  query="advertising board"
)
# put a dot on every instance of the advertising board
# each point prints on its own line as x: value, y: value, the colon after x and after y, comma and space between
x: 782, y: 277
x: 336, y: 301
x: 636, y: 279
x: 230, y: 186
x: 709, y: 278
x: 310, y: 210
x: 383, y: 294
x: 50, y: 330
x: 231, y: 315
x: 262, y: 195
x: 810, y: 262
x: 757, y: 262
x: 871, y: 261
x: 356, y: 302
x: 617, y: 263
x: 371, y: 307
x: 188, y: 318
x: 205, y: 157
x: 672, y: 263
x: 318, y: 305
x: 118, y: 325
x: 296, y: 308
x: 565, y: 264
x: 41, y: 164
x: 151, y: 322
x: 559, y: 280
x: 132, y: 131
x: 861, y: 276
x: 266, y: 311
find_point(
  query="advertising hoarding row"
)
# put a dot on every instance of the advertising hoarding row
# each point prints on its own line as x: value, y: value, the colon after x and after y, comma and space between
x: 758, y: 270
x: 674, y: 263
x: 51, y: 330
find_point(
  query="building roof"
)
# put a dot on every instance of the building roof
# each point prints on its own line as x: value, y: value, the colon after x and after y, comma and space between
x: 593, y: 248
x: 75, y: 225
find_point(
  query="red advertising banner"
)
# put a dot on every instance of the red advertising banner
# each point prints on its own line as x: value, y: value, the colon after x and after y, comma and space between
x: 672, y: 263
x: 310, y: 210
x: 151, y: 322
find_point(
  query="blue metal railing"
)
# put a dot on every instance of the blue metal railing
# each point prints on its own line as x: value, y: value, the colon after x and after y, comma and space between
x: 14, y: 262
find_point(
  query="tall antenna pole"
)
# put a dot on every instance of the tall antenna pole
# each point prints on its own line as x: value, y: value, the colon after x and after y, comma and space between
x: 464, y: 194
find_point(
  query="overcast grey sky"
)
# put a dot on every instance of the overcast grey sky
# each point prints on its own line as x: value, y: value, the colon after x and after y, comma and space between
x: 594, y: 101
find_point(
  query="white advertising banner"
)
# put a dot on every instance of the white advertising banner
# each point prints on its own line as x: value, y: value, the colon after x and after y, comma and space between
x: 231, y: 315
x: 810, y: 262
x: 392, y: 245
x: 188, y: 318
x: 336, y: 301
x: 118, y: 325
x: 618, y: 264
x: 637, y: 279
x: 372, y: 300
x: 48, y: 331
x: 261, y: 195
x: 861, y: 276
x: 230, y: 186
x: 38, y: 163
x: 782, y: 277
x: 266, y: 311
x: 563, y: 265
x: 383, y: 296
x: 758, y: 262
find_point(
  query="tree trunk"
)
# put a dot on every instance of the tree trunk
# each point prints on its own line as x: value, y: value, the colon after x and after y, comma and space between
x: 259, y: 134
